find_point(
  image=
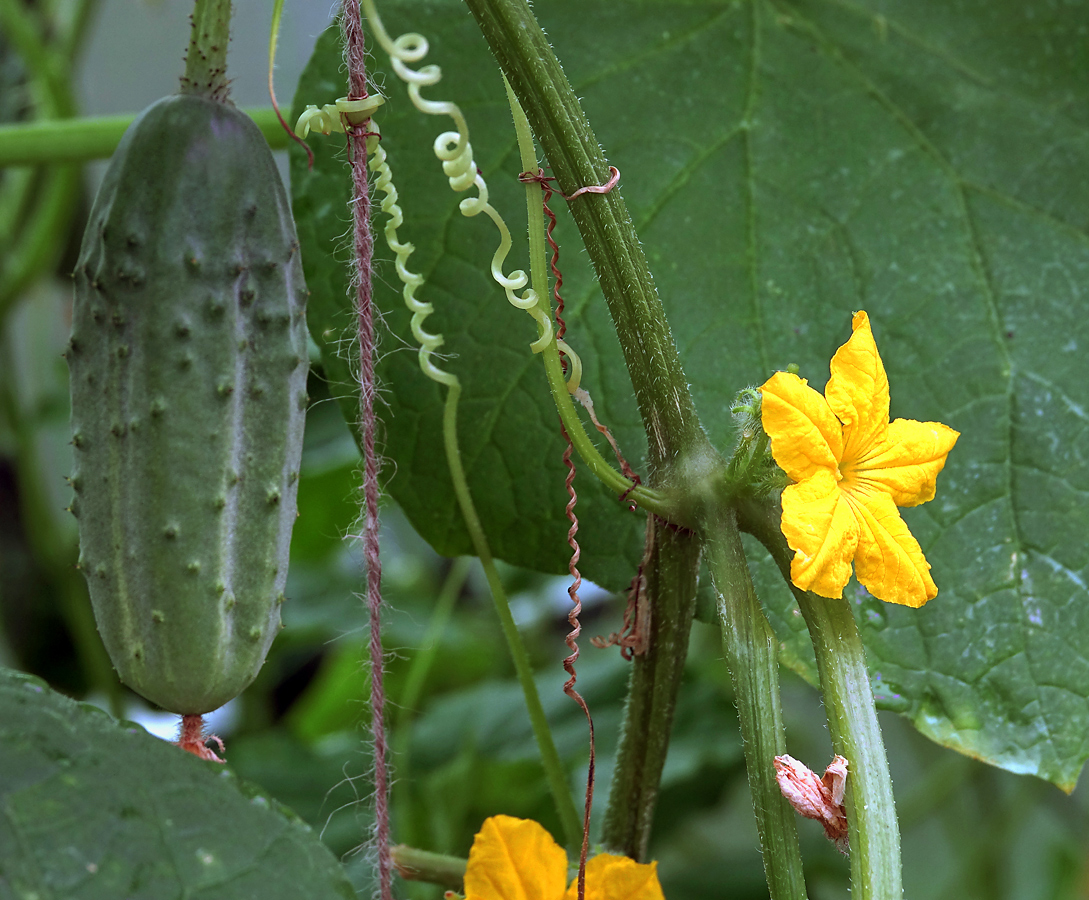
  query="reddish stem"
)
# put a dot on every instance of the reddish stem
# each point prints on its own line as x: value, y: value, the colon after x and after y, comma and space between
x: 191, y: 738
x: 569, y: 662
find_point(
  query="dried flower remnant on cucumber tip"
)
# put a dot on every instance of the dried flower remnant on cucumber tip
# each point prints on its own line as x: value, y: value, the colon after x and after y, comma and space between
x: 851, y: 468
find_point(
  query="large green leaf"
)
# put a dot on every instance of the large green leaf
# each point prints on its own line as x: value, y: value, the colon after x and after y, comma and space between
x: 97, y: 809
x: 786, y: 164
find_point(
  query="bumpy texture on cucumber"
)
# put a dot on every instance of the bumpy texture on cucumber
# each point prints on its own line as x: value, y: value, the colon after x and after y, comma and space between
x: 188, y: 366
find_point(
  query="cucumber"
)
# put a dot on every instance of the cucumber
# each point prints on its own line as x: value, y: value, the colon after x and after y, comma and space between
x: 188, y: 365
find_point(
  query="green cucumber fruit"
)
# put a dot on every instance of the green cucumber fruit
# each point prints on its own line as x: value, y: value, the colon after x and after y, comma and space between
x: 188, y: 365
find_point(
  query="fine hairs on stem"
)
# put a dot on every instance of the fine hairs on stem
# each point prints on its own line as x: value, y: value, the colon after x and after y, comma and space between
x: 355, y: 54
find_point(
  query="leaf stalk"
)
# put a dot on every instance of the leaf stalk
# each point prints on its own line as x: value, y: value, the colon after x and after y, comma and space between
x: 752, y: 655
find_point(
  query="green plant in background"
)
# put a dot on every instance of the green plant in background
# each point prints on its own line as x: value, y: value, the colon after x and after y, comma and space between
x: 786, y: 165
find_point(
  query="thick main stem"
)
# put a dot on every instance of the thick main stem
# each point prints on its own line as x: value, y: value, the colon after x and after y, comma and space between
x: 752, y: 653
x: 874, y: 833
x: 206, y: 60
x: 670, y: 571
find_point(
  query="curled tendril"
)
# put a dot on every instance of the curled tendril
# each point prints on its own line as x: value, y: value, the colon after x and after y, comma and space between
x: 330, y: 118
x: 429, y: 342
x: 456, y: 154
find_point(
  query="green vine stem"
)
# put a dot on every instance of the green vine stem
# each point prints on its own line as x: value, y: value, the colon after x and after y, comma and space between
x: 95, y: 137
x: 440, y: 617
x: 550, y: 757
x: 575, y: 156
x: 671, y: 571
x: 874, y: 833
x: 752, y: 654
x: 79, y: 23
x: 434, y: 868
x: 856, y: 735
x: 206, y: 60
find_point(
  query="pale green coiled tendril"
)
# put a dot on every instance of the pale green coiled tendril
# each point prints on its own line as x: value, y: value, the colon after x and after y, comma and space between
x: 328, y: 119
x: 456, y: 153
x: 428, y: 342
x: 331, y: 118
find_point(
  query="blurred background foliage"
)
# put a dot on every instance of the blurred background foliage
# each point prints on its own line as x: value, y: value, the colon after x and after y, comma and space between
x: 464, y: 749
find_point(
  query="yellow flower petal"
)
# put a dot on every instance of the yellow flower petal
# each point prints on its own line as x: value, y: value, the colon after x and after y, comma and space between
x: 823, y: 533
x: 515, y: 859
x: 851, y: 469
x: 611, y: 877
x: 889, y: 561
x: 805, y: 436
x: 906, y: 464
x: 858, y: 391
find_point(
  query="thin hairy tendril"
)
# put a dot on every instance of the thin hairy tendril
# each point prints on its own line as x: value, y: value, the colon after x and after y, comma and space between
x: 635, y: 630
x: 557, y: 276
x: 456, y: 153
x: 274, y: 35
x: 355, y: 55
x: 572, y: 645
x: 583, y: 397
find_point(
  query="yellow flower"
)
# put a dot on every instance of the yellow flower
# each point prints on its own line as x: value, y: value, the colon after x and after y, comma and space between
x: 851, y: 468
x: 516, y: 859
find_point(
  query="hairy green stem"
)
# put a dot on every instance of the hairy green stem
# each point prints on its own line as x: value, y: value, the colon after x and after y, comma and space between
x: 550, y: 757
x: 670, y: 568
x: 434, y: 868
x: 752, y: 654
x: 874, y: 833
x: 575, y: 156
x: 856, y: 735
x: 80, y: 140
x: 206, y: 60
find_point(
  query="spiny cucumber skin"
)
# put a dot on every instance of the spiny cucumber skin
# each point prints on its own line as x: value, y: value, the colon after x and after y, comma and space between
x: 188, y: 365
